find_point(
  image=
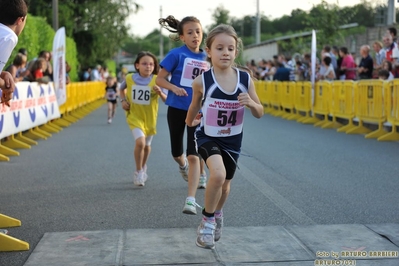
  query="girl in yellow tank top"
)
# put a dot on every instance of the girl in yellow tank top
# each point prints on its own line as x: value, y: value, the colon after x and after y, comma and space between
x: 140, y: 101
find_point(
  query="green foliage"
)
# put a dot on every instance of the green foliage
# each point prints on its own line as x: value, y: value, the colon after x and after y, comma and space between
x: 111, y: 65
x: 38, y: 36
x: 97, y: 26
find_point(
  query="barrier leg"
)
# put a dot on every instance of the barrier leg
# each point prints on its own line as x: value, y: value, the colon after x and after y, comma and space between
x: 391, y: 136
x: 24, y: 139
x: 62, y: 122
x: 32, y: 134
x: 6, y: 221
x: 7, y: 151
x: 42, y: 132
x: 332, y: 124
x: 360, y: 129
x: 49, y: 128
x: 13, y: 143
x: 9, y: 243
x: 376, y: 133
x: 322, y: 122
x: 4, y: 158
x: 349, y: 126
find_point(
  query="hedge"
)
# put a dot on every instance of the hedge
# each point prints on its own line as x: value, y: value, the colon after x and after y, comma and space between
x: 37, y: 36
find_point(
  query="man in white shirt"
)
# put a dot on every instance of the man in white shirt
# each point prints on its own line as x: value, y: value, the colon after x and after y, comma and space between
x: 12, y: 22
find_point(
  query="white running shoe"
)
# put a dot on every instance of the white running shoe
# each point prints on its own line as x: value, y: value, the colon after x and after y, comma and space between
x: 206, y: 235
x: 138, y: 178
x: 219, y: 226
x: 202, y: 181
x: 190, y: 207
x: 109, y: 121
x: 145, y: 173
x: 184, y: 171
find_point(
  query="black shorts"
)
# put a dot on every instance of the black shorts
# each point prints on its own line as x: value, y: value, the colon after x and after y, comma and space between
x: 177, y: 124
x: 229, y: 159
x: 112, y: 101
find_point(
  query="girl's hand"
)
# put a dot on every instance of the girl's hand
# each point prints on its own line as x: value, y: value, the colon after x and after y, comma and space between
x: 197, y: 119
x: 157, y: 89
x: 125, y: 106
x: 245, y: 100
x: 179, y: 91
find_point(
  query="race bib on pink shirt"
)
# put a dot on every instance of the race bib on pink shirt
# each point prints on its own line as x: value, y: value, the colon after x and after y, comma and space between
x: 192, y: 68
x: 222, y: 118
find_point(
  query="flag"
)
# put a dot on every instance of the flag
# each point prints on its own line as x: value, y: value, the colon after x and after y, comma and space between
x: 59, y: 72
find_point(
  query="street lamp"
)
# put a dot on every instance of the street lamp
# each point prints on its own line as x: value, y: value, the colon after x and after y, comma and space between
x: 55, y: 15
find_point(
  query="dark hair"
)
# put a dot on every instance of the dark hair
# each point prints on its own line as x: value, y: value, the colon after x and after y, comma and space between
x: 23, y: 51
x: 383, y: 73
x: 146, y: 53
x: 42, y: 53
x: 327, y: 60
x: 11, y: 10
x: 19, y: 59
x: 327, y: 48
x: 389, y: 65
x: 344, y: 49
x: 173, y: 25
x: 392, y: 30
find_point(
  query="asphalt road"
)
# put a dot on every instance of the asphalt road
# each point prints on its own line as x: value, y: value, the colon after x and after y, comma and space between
x: 290, y: 174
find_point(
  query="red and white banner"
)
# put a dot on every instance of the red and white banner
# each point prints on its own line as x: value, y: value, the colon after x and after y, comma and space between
x: 59, y: 71
x: 32, y: 105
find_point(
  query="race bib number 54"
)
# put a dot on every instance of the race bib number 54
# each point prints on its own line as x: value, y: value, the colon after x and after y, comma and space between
x: 223, y: 118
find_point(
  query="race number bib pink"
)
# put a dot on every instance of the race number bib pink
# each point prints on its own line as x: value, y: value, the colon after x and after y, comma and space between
x: 222, y: 118
x: 141, y: 94
x: 192, y: 68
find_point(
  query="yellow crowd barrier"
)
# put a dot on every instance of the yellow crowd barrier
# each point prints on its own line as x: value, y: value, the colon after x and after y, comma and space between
x: 331, y: 104
x: 392, y: 110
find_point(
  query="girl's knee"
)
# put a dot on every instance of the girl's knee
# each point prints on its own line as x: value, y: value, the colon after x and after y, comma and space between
x: 218, y: 177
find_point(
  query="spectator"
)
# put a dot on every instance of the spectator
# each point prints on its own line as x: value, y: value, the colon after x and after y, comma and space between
x: 379, y: 55
x: 282, y: 73
x: 365, y: 68
x: 347, y: 65
x: 18, y: 63
x: 388, y: 66
x: 384, y: 74
x: 390, y: 46
x: 38, y: 69
x: 327, y: 49
x: 392, y: 31
x: 12, y: 22
x: 95, y: 74
x: 329, y: 73
x: 67, y: 70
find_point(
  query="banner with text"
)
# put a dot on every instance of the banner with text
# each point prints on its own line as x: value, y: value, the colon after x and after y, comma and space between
x: 32, y: 105
x: 59, y: 71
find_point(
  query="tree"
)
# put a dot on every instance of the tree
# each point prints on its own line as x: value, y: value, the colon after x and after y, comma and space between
x: 220, y: 16
x: 98, y: 26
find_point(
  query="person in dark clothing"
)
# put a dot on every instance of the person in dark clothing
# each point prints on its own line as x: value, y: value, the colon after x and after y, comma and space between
x: 282, y: 73
x: 366, y: 64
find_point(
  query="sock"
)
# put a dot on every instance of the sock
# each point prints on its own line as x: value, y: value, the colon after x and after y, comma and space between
x: 192, y: 199
x: 219, y: 213
x: 207, y: 214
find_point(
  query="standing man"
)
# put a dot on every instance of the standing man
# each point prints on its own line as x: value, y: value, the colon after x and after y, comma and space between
x: 366, y: 64
x: 12, y: 21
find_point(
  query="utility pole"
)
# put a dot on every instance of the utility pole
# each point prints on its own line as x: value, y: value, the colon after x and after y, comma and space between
x: 55, y: 15
x: 160, y: 38
x: 257, y: 30
x: 391, y: 19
